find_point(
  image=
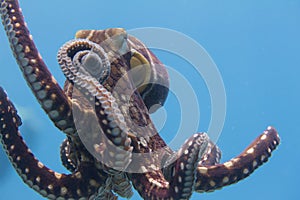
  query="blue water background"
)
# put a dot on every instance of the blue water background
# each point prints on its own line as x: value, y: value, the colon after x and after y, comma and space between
x: 255, y: 45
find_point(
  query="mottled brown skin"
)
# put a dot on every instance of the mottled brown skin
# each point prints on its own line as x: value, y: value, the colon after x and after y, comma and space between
x: 164, y: 174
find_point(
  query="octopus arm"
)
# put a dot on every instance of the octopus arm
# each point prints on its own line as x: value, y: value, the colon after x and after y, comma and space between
x: 210, y: 178
x: 36, y: 175
x: 43, y: 85
x: 182, y: 167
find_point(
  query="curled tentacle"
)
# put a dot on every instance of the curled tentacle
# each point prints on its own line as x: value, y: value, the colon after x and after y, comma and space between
x: 84, y: 57
x: 109, y: 115
x: 115, y: 152
x: 150, y: 76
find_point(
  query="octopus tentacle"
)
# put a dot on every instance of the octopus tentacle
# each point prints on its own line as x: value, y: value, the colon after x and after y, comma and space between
x: 119, y: 82
x: 152, y: 80
x: 126, y: 129
x: 211, y: 156
x: 214, y: 177
x: 108, y: 113
x: 72, y: 57
x: 66, y: 157
x: 48, y: 183
x: 43, y: 85
x: 151, y: 185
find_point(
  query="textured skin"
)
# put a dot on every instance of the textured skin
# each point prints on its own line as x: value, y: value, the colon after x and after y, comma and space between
x: 42, y: 179
x: 42, y: 83
x: 119, y: 103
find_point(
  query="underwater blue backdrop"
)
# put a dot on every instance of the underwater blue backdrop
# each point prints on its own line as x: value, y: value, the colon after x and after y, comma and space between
x: 255, y: 44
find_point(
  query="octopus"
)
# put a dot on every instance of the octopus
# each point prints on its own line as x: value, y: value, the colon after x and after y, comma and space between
x: 113, y: 83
